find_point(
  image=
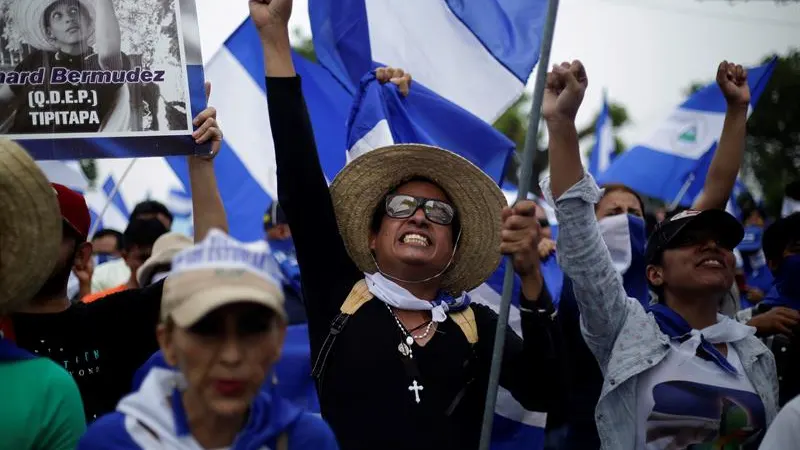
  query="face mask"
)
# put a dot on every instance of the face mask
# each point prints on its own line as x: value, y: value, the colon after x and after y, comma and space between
x: 101, y: 258
x: 624, y: 238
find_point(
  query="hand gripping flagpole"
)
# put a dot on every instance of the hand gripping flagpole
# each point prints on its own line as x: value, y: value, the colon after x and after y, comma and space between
x: 522, y: 194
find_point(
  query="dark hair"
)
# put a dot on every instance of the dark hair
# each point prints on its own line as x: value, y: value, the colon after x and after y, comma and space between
x: 142, y: 233
x: 380, y: 208
x: 618, y: 187
x: 779, y: 236
x: 110, y: 232
x: 793, y: 190
x: 151, y: 207
x: 49, y: 10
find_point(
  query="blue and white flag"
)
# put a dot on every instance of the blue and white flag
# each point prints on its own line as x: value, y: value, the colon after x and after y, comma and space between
x: 477, y: 54
x: 245, y: 167
x: 682, y: 147
x: 179, y: 203
x: 732, y: 207
x: 604, y: 145
x: 380, y: 116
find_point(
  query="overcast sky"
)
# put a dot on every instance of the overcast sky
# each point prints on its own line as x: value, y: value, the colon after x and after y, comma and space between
x: 644, y: 52
x: 647, y: 52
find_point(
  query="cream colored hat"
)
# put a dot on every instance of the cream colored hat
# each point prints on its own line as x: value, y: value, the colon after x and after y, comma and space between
x: 29, y: 19
x: 216, y: 272
x: 363, y: 184
x: 164, y: 249
x: 30, y: 227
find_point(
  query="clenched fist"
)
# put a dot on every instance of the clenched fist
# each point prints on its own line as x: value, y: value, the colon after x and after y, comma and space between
x: 732, y: 80
x: 520, y: 236
x: 564, y: 91
x: 270, y: 15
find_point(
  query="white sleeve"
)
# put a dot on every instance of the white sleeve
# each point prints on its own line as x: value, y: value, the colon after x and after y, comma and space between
x: 784, y: 433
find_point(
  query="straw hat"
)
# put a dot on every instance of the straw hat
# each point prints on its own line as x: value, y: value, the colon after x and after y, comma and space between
x: 29, y: 19
x: 363, y: 184
x: 30, y: 227
x: 164, y: 249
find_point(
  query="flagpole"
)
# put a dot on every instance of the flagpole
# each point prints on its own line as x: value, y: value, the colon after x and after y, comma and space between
x: 681, y: 193
x: 110, y: 198
x: 531, y: 146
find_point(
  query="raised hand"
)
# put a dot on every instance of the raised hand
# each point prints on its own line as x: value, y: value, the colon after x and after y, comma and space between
x: 397, y: 77
x: 732, y: 80
x: 564, y: 91
x: 520, y: 236
x: 208, y: 128
x: 269, y: 15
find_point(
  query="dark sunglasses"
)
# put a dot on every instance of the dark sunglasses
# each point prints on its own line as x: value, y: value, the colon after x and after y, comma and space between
x: 401, y: 206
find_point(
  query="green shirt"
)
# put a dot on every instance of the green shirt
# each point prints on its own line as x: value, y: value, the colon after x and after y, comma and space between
x: 40, y: 406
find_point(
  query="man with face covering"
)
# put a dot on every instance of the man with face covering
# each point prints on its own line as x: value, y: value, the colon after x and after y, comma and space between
x: 401, y: 356
x: 678, y: 374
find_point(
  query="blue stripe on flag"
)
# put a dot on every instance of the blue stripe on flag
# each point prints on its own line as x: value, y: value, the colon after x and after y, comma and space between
x: 604, y: 142
x: 108, y: 188
x: 424, y: 117
x: 683, y: 146
x: 341, y: 39
x: 511, y: 30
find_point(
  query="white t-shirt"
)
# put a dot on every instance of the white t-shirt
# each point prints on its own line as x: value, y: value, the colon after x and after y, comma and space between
x: 687, y: 402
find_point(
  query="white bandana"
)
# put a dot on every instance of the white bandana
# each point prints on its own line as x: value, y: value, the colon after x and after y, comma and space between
x: 395, y: 295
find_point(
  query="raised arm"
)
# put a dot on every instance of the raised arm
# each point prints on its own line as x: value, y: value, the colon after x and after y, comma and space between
x: 108, y: 36
x: 582, y: 253
x: 209, y: 211
x: 327, y: 271
x: 732, y: 80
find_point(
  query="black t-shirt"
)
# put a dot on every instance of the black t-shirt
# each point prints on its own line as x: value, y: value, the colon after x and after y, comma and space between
x: 101, y: 344
x: 62, y: 96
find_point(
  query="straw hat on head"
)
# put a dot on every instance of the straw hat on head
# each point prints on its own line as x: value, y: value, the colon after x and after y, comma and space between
x: 363, y: 184
x: 29, y: 18
x: 30, y: 227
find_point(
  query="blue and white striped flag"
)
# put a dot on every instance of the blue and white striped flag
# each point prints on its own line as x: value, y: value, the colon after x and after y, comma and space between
x: 604, y: 145
x: 179, y: 203
x: 476, y: 54
x: 380, y: 117
x: 683, y: 146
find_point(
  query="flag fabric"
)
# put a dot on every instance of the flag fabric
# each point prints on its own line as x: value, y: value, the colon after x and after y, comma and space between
x: 179, y: 203
x: 604, y: 146
x: 245, y: 167
x: 732, y: 207
x: 112, y: 192
x: 477, y: 54
x: 381, y: 116
x: 680, y: 150
x: 67, y: 173
x: 116, y: 211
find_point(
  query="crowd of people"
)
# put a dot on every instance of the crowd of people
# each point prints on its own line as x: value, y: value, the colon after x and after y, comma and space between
x: 677, y: 334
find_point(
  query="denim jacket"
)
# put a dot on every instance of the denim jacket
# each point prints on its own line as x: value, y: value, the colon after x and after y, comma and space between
x: 625, y: 339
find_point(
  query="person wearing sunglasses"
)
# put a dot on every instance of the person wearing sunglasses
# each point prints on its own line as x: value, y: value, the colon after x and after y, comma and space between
x: 677, y: 375
x: 388, y: 255
x: 222, y: 327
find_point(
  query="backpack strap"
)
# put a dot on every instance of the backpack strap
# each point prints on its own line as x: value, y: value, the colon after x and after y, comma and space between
x: 466, y: 321
x: 283, y: 442
x: 358, y: 296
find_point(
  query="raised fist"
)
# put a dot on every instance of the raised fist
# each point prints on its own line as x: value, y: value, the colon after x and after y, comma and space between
x: 564, y: 90
x: 732, y: 80
x: 397, y: 77
x: 271, y: 14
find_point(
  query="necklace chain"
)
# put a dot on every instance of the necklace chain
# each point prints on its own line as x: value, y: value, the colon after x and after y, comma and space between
x: 406, y: 332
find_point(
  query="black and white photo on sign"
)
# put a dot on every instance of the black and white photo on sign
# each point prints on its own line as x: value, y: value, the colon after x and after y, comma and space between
x: 112, y: 67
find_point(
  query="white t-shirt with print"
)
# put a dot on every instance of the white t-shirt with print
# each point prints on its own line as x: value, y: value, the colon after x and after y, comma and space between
x: 687, y: 402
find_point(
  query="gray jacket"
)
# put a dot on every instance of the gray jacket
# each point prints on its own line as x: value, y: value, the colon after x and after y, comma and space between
x: 624, y: 338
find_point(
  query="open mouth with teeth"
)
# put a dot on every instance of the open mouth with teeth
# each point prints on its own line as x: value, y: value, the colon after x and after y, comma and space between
x: 714, y: 263
x: 415, y: 239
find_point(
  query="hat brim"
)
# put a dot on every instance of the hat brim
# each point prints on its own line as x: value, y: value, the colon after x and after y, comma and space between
x: 201, y: 303
x: 29, y: 19
x: 30, y: 227
x: 146, y: 270
x: 364, y: 183
x: 725, y: 225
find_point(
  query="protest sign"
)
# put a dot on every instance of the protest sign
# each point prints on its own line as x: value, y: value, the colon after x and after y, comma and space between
x: 100, y: 78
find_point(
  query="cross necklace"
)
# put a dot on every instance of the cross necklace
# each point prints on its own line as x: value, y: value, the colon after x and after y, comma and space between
x: 408, y: 354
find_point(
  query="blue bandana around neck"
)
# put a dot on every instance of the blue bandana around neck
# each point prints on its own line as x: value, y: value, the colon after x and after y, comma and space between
x: 786, y: 291
x: 284, y: 253
x: 9, y: 352
x: 635, y: 278
x: 676, y: 327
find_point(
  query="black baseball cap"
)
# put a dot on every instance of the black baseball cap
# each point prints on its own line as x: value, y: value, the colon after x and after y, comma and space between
x: 780, y: 235
x: 729, y: 229
x: 274, y: 216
